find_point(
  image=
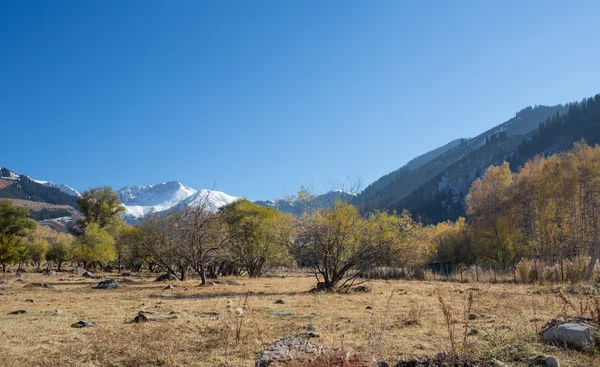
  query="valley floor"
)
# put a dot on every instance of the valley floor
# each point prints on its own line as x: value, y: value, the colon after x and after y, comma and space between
x: 194, y: 328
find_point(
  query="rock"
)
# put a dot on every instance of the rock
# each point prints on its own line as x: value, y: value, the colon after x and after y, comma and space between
x: 408, y: 293
x: 473, y: 331
x: 281, y: 313
x: 571, y: 335
x: 108, y: 284
x: 552, y: 362
x: 309, y: 334
x: 49, y: 272
x: 369, y: 308
x: 57, y: 312
x: 363, y: 289
x: 165, y: 278
x: 29, y: 300
x: 82, y: 324
x: 288, y: 350
x: 125, y: 274
x: 87, y: 274
x: 472, y: 316
x: 144, y: 317
x: 79, y: 271
x: 170, y: 286
x: 21, y: 271
x: 38, y: 285
x: 280, y: 301
x: 18, y: 312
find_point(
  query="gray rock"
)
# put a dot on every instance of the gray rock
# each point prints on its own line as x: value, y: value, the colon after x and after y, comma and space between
x: 82, y: 324
x: 552, y: 362
x: 571, y: 335
x: 49, y: 272
x: 87, y: 274
x: 281, y: 301
x: 144, y: 317
x: 286, y: 350
x: 18, y: 312
x: 57, y: 312
x: 108, y: 284
x: 166, y: 278
x: 309, y: 334
x: 281, y: 313
x: 38, y: 285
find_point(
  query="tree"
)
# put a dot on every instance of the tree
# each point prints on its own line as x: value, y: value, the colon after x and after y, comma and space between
x: 14, y: 226
x: 499, y: 240
x: 59, y: 250
x: 36, y: 251
x: 202, y: 238
x: 94, y: 246
x: 334, y: 241
x: 101, y: 205
x: 257, y: 236
x: 160, y: 240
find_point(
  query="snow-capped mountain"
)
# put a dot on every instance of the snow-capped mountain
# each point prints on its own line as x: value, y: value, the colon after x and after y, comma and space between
x: 140, y: 201
x: 62, y: 187
x: 297, y: 207
x: 211, y: 198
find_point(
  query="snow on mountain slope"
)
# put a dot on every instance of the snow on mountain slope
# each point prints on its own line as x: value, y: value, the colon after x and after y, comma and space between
x: 143, y: 200
x: 62, y: 187
x: 211, y: 198
x: 140, y: 201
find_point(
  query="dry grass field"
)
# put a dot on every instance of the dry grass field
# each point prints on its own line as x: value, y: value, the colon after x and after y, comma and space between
x: 194, y: 328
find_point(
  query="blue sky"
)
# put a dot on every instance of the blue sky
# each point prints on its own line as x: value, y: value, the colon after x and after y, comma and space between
x: 257, y: 98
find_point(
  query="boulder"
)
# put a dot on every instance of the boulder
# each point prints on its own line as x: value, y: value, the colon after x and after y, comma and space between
x: 82, y: 324
x: 143, y: 316
x: 38, y: 285
x: 166, y: 277
x: 108, y: 284
x: 579, y: 336
x: 18, y: 312
x: 289, y: 350
x: 87, y: 274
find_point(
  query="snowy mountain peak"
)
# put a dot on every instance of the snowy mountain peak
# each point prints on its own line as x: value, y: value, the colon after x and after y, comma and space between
x: 62, y: 187
x: 144, y: 200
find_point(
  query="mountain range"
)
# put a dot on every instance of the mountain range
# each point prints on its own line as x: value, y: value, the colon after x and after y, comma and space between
x: 431, y: 186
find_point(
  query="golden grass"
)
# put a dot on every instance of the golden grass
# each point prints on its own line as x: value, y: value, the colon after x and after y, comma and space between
x: 195, y: 329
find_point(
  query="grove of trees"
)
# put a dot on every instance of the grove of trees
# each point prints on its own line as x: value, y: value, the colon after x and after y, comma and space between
x: 545, y: 214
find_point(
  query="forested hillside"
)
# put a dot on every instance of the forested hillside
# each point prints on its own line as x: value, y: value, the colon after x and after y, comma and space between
x: 442, y: 198
x: 388, y: 190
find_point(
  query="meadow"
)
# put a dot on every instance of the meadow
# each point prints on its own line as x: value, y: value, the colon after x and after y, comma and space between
x: 192, y: 326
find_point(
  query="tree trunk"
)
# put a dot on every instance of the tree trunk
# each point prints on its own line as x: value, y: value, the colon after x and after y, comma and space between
x: 202, y: 275
x: 593, y: 260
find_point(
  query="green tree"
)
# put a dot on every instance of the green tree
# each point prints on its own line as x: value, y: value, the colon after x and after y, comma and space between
x: 59, y: 250
x: 94, y: 246
x: 14, y: 225
x: 101, y: 205
x: 334, y: 241
x: 257, y: 236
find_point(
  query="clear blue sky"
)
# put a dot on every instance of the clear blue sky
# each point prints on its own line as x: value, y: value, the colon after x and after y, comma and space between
x: 260, y: 97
